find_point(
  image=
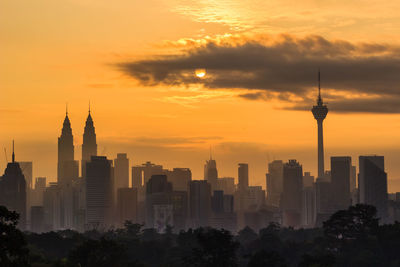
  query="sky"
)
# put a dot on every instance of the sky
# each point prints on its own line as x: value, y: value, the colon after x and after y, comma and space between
x: 136, y: 63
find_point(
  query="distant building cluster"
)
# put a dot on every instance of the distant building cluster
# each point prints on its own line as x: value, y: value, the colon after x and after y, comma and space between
x: 99, y: 193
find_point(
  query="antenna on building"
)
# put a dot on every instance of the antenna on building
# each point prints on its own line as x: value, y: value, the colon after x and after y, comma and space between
x: 210, y: 153
x: 319, y: 86
x: 89, y: 106
x: 13, y: 154
x: 66, y: 108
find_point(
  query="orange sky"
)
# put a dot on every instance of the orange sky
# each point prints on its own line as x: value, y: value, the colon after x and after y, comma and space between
x: 53, y: 52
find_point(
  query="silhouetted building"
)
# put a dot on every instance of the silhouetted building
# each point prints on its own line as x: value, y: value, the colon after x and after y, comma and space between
x: 340, y: 182
x: 320, y: 111
x: 158, y: 202
x: 211, y: 173
x: 37, y: 219
x: 180, y: 178
x: 141, y: 174
x: 127, y: 205
x: 373, y: 184
x: 308, y: 180
x: 52, y: 207
x: 99, y: 192
x: 89, y: 146
x: 179, y: 201
x: 308, y: 207
x: 353, y: 178
x: 66, y: 168
x: 121, y: 171
x: 323, y: 199
x: 243, y: 176
x: 38, y: 191
x: 227, y: 184
x: 200, y: 203
x: 292, y: 193
x: 274, y: 182
x: 13, y: 190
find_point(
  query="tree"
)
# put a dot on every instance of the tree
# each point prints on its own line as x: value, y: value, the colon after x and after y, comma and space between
x: 99, y: 253
x: 264, y: 258
x: 357, y: 222
x: 13, y: 250
x: 214, y: 248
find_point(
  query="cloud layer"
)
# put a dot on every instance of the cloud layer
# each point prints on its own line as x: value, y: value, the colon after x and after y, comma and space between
x: 358, y: 77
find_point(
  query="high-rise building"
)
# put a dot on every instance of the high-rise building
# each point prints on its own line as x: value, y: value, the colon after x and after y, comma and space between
x: 274, y: 182
x: 180, y: 178
x: 199, y: 203
x: 89, y: 146
x: 158, y: 201
x: 99, y: 192
x: 52, y: 207
x: 211, y: 173
x: 308, y: 207
x: 37, y: 195
x: 37, y: 219
x: 353, y: 179
x: 243, y: 176
x: 320, y: 111
x: 141, y: 174
x: 121, y: 171
x: 373, y: 184
x: 13, y: 190
x: 292, y: 193
x: 308, y: 179
x: 340, y: 182
x: 227, y: 184
x: 126, y: 205
x: 66, y: 168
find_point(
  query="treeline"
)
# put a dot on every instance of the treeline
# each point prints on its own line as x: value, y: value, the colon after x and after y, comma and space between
x: 350, y: 237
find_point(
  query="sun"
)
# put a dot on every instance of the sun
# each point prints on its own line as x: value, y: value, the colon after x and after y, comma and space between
x: 200, y: 73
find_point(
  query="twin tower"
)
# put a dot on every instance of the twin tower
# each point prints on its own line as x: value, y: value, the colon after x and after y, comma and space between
x: 68, y: 168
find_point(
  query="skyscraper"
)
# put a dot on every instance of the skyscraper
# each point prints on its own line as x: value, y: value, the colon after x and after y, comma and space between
x: 211, y: 173
x: 67, y: 172
x: 89, y: 146
x: 13, y: 190
x: 243, y: 176
x: 99, y: 192
x: 292, y: 193
x: 373, y: 183
x: 274, y: 182
x: 340, y: 182
x: 320, y: 111
x: 199, y: 203
x: 65, y: 151
x: 121, y: 171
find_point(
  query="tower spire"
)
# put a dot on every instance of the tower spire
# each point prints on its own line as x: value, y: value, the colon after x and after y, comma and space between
x: 319, y: 87
x: 66, y: 109
x: 210, y: 153
x: 13, y: 154
x: 89, y: 107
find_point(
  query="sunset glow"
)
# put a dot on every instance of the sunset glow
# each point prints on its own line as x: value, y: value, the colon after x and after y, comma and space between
x: 168, y: 79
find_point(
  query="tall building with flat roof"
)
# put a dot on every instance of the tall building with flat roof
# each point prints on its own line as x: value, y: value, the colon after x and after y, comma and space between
x: 121, y: 171
x: 340, y: 182
x: 292, y: 193
x: 99, y: 192
x: 373, y: 183
x: 274, y: 183
x: 243, y: 176
x: 199, y: 203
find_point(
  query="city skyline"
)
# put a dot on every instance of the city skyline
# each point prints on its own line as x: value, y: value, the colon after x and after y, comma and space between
x: 123, y: 58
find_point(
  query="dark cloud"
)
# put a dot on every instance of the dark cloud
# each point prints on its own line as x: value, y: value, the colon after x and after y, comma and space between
x: 283, y: 68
